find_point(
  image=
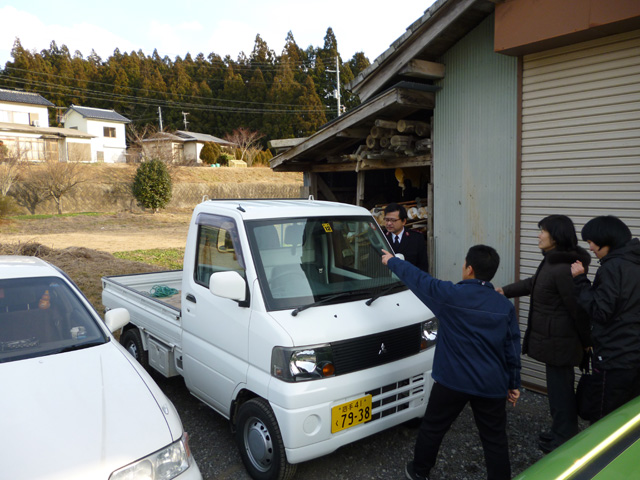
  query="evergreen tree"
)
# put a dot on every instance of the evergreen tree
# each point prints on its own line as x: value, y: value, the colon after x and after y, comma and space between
x: 152, y: 185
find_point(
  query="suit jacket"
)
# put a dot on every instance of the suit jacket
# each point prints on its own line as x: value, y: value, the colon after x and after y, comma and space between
x: 413, y: 247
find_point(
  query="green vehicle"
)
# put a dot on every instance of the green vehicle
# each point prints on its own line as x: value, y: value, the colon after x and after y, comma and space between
x: 607, y: 450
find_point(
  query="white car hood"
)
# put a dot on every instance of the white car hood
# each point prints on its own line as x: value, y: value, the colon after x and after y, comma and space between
x: 77, y: 415
x: 351, y: 319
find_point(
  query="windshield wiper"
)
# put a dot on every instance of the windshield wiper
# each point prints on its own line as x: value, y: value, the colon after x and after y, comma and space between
x: 80, y: 346
x: 320, y: 302
x: 383, y: 292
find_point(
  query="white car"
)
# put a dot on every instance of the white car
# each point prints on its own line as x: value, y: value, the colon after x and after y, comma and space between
x: 73, y: 403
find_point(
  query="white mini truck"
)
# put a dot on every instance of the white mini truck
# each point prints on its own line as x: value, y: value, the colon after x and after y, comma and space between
x: 287, y: 323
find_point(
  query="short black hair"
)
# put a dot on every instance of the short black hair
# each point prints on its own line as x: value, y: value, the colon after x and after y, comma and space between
x: 562, y: 231
x: 396, y: 207
x: 484, y: 260
x: 606, y: 231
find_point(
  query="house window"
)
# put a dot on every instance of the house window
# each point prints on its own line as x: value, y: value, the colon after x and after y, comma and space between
x: 109, y: 132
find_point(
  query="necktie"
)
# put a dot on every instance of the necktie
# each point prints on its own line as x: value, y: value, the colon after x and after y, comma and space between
x: 396, y: 243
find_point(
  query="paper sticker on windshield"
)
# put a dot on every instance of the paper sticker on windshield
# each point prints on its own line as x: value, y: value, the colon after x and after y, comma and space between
x: 327, y: 227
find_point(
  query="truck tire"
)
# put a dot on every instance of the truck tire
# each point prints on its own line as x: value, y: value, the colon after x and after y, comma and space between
x: 260, y: 442
x: 132, y: 341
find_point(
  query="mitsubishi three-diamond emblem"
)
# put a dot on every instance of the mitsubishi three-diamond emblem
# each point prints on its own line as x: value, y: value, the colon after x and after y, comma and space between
x: 383, y: 349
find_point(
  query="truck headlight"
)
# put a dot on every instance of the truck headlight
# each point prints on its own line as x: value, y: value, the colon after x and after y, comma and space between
x: 302, y: 363
x: 429, y: 333
x: 164, y: 464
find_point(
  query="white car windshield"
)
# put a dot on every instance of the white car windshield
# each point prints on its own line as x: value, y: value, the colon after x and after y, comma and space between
x: 307, y: 260
x: 43, y: 316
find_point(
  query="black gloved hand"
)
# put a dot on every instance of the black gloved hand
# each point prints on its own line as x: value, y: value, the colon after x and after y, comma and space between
x: 586, y: 360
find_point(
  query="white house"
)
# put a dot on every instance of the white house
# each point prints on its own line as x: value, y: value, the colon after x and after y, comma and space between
x: 109, y: 143
x: 25, y: 131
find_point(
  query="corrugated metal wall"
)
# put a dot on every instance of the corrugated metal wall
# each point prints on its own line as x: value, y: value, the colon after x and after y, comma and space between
x: 475, y: 122
x: 580, y: 143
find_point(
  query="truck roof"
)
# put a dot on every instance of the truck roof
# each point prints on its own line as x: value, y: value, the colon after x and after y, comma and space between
x: 282, y: 208
x: 17, y: 266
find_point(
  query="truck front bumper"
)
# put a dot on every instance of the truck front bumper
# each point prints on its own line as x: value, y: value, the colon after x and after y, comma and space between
x: 399, y: 393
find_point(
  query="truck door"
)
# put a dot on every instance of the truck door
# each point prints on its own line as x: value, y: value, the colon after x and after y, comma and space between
x: 215, y: 329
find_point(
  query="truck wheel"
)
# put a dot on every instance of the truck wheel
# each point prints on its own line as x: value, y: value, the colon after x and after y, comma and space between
x: 132, y: 341
x: 260, y: 442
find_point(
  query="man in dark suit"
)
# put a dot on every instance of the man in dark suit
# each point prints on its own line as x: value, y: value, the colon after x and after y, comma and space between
x: 409, y: 243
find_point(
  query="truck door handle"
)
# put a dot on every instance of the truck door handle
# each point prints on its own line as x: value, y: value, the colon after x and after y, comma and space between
x: 191, y: 298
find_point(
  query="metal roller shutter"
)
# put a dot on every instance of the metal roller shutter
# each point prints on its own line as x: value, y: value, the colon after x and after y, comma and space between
x: 580, y: 144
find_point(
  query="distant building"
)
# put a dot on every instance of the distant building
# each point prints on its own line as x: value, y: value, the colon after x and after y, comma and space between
x: 25, y: 131
x: 109, y: 142
x: 183, y: 145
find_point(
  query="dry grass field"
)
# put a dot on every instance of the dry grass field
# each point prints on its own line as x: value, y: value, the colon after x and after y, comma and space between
x: 83, y: 245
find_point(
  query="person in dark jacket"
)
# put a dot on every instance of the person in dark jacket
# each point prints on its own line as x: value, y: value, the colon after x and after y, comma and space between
x: 477, y: 358
x: 613, y: 302
x: 410, y: 243
x: 557, y: 331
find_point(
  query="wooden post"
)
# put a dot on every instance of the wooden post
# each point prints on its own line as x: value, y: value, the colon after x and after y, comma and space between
x: 360, y: 188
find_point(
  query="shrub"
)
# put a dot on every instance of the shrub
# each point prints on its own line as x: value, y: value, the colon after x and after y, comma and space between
x: 152, y: 185
x: 210, y: 153
x: 7, y: 206
x: 225, y: 158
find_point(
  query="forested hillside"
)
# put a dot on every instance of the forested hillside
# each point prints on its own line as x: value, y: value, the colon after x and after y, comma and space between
x: 283, y: 95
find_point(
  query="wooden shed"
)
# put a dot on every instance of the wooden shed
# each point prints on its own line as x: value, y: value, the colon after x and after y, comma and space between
x: 527, y: 117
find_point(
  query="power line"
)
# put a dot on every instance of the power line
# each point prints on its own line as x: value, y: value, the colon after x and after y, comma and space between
x: 223, y: 100
x: 146, y: 101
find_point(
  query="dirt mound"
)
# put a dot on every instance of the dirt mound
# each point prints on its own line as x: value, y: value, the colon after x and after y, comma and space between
x: 85, y: 266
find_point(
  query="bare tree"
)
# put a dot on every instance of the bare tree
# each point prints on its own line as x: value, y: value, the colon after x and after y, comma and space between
x: 149, y: 143
x: 246, y: 141
x: 27, y: 190
x: 60, y: 179
x: 10, y: 161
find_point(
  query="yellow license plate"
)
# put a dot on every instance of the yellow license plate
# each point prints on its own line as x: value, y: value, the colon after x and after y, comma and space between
x: 350, y: 414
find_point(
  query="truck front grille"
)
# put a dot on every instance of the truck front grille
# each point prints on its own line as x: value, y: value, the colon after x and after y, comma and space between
x: 377, y: 349
x: 395, y: 397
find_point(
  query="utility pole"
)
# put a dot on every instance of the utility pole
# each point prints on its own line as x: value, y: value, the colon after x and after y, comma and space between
x: 160, y: 117
x: 336, y: 93
x: 184, y: 115
x: 338, y: 86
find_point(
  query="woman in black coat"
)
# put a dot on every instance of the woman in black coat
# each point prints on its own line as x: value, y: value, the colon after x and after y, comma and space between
x: 613, y: 302
x: 557, y: 331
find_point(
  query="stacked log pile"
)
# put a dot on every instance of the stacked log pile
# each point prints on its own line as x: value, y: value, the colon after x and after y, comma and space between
x: 388, y: 139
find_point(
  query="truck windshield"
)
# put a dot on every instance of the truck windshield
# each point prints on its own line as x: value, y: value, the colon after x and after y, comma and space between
x: 301, y: 261
x: 43, y: 316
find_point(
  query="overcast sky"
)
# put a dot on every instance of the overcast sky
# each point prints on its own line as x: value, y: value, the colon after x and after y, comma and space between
x: 224, y: 27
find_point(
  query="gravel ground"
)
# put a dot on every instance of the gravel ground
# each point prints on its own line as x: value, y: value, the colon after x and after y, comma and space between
x: 381, y: 456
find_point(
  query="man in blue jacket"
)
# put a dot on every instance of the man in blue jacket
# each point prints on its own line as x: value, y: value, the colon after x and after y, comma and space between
x: 477, y: 358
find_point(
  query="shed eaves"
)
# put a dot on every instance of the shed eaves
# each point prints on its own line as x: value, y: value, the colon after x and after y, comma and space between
x: 99, y: 114
x: 397, y: 43
x: 15, y: 96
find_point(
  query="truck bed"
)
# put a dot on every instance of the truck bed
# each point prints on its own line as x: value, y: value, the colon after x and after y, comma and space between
x: 143, y: 283
x: 162, y: 316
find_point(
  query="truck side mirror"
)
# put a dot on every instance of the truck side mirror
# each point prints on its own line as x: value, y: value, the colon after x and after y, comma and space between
x: 229, y: 284
x: 116, y: 319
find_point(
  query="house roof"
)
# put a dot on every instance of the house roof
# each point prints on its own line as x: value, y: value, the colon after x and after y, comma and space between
x: 98, y: 114
x: 200, y: 137
x: 183, y: 136
x: 18, y: 96
x: 15, y: 128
